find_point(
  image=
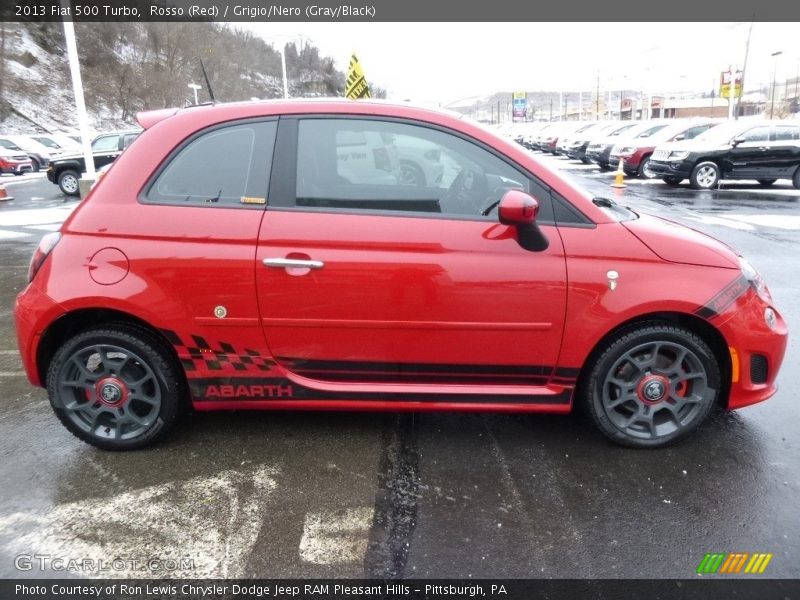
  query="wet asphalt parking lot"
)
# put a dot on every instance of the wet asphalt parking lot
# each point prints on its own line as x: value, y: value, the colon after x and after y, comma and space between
x: 415, y: 495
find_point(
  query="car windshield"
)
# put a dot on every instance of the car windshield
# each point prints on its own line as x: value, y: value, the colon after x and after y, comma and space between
x: 650, y: 131
x: 48, y: 143
x: 9, y: 145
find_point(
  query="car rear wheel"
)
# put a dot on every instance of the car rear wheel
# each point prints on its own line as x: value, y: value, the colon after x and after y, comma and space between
x: 115, y: 387
x: 673, y: 181
x: 652, y: 385
x: 705, y: 176
x: 68, y: 183
x: 644, y: 169
x: 767, y: 182
x: 35, y: 165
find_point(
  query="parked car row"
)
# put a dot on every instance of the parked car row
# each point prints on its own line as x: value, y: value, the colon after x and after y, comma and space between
x: 30, y: 153
x: 703, y: 150
x: 66, y: 170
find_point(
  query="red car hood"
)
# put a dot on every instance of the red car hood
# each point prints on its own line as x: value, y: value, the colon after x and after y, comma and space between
x: 677, y: 243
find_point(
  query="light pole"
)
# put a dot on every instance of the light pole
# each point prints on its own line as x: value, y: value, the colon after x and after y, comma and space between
x: 774, y: 55
x: 283, y: 68
x: 195, y: 87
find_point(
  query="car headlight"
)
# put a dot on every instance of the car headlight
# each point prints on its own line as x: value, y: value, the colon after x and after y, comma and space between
x: 678, y: 154
x: 627, y: 150
x: 754, y: 278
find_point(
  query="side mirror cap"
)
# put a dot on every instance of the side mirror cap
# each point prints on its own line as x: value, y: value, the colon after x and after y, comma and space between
x: 679, y: 137
x: 517, y: 208
x: 737, y: 140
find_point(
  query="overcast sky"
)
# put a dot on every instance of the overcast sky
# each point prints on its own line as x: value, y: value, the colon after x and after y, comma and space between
x: 444, y: 62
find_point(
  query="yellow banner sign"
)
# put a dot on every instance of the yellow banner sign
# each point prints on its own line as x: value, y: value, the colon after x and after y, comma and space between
x: 356, y: 85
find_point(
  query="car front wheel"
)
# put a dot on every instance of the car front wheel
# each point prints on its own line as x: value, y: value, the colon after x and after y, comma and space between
x: 644, y: 169
x: 68, y: 183
x: 705, y: 176
x: 115, y: 387
x: 652, y: 385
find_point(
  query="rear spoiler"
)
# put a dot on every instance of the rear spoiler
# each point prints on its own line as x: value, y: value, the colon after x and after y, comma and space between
x: 148, y: 118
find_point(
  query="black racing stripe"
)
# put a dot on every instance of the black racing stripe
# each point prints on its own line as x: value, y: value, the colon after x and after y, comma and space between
x: 347, y: 366
x: 201, y: 343
x: 171, y: 337
x: 468, y: 378
x: 232, y: 389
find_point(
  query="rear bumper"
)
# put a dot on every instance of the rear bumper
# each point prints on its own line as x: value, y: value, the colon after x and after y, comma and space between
x: 34, y: 311
x: 25, y: 168
x: 752, y: 343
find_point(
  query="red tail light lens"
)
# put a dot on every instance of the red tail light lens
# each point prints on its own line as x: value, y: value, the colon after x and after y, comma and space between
x: 42, y: 251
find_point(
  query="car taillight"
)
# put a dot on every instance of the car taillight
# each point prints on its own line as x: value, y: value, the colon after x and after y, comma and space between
x: 42, y: 251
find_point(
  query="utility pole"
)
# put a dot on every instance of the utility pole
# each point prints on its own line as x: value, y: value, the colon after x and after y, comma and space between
x: 774, y: 55
x: 744, y: 66
x: 597, y: 99
x: 551, y: 109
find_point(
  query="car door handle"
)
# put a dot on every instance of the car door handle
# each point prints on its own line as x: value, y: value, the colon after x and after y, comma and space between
x: 285, y: 263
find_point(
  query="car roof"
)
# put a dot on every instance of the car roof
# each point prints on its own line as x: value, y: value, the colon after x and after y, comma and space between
x: 298, y: 106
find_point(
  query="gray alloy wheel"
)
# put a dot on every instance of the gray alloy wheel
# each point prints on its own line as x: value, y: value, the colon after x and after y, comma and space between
x: 653, y: 384
x: 705, y: 176
x: 68, y: 183
x: 116, y: 388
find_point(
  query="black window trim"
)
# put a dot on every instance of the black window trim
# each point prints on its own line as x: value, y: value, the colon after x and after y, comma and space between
x: 282, y: 191
x: 165, y: 162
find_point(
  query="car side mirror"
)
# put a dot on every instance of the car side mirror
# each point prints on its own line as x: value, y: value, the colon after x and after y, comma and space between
x: 517, y: 208
x: 679, y: 137
x: 737, y: 140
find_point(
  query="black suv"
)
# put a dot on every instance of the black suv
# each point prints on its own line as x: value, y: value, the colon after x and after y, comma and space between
x: 65, y: 171
x: 762, y: 150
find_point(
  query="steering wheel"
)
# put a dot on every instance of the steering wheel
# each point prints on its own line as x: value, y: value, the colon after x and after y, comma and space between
x: 466, y: 194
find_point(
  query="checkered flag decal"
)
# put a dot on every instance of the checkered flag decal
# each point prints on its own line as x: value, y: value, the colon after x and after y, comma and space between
x: 201, y: 356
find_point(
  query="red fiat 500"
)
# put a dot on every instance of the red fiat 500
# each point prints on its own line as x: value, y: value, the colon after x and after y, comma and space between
x: 364, y: 256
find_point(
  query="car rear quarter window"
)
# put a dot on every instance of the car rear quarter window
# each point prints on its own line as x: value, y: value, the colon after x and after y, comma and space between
x: 782, y: 133
x: 373, y: 165
x: 226, y: 166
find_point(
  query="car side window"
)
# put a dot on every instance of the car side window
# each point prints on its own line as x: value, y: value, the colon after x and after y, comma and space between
x: 757, y: 134
x: 782, y: 133
x: 106, y: 143
x: 371, y: 165
x: 128, y: 138
x: 226, y: 166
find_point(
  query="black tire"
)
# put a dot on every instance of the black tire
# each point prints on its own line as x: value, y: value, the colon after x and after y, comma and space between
x: 116, y: 387
x: 35, y: 165
x: 604, y: 167
x: 796, y: 179
x: 68, y: 182
x: 672, y: 181
x: 586, y: 161
x: 617, y: 390
x: 705, y: 176
x: 766, y: 182
x: 643, y: 171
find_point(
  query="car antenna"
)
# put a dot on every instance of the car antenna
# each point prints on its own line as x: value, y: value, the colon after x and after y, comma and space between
x: 208, y: 83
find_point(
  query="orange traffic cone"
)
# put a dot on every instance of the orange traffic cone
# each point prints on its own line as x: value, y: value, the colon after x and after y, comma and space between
x: 619, y: 177
x: 4, y: 194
